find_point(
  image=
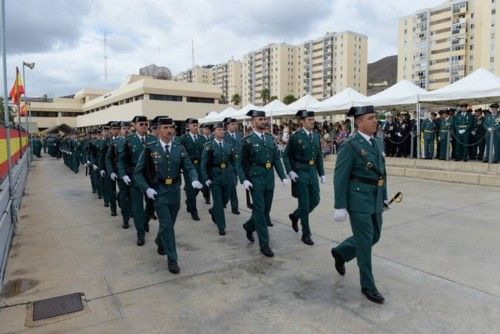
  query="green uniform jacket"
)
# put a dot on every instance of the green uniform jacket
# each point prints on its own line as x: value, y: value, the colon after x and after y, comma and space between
x: 353, y: 195
x: 112, y: 155
x: 167, y: 167
x: 304, y: 157
x: 490, y: 122
x: 219, y: 164
x: 194, y: 150
x: 101, y: 147
x: 462, y: 123
x: 129, y: 152
x: 255, y: 154
x: 444, y: 126
x: 428, y: 127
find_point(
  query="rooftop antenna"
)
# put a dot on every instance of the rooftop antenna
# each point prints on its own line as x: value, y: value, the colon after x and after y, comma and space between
x: 192, y: 52
x: 105, y: 58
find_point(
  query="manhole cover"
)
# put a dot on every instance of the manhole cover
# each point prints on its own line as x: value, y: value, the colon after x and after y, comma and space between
x: 53, y: 307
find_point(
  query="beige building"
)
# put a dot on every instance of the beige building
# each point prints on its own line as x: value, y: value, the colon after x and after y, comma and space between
x: 274, y: 67
x: 332, y: 63
x: 137, y: 95
x: 197, y: 74
x: 227, y: 77
x: 441, y: 45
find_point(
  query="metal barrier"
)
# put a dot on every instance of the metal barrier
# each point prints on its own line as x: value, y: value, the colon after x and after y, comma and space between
x: 9, y: 204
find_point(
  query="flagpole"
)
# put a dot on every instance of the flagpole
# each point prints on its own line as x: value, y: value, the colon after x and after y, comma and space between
x: 6, y: 114
x: 19, y: 120
x: 26, y: 117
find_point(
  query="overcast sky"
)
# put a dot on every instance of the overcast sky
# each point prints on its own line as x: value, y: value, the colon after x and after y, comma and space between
x: 65, y: 38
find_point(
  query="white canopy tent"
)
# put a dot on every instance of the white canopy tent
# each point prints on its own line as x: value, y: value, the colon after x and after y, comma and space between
x: 218, y: 116
x: 303, y: 103
x: 209, y: 118
x: 242, y: 113
x: 339, y: 102
x: 273, y: 107
x: 402, y: 93
x: 480, y: 87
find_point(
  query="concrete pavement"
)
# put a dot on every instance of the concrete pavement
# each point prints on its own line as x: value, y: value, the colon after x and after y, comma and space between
x: 436, y: 264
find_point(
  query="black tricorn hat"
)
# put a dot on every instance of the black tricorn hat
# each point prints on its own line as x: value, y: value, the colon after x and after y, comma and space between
x: 138, y: 118
x: 154, y: 121
x: 229, y: 120
x: 304, y: 113
x: 105, y: 127
x: 205, y: 125
x: 358, y: 111
x: 124, y: 123
x: 218, y: 125
x: 494, y: 105
x: 114, y: 124
x: 256, y: 113
x: 192, y: 121
x: 165, y: 120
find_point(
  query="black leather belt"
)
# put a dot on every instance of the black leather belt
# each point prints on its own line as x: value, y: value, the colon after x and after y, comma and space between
x: 266, y: 165
x: 374, y: 182
x: 195, y: 161
x: 169, y: 181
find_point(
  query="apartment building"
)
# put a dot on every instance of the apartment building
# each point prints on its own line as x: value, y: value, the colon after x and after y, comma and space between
x: 227, y: 78
x: 197, y: 74
x: 441, y: 45
x: 332, y: 63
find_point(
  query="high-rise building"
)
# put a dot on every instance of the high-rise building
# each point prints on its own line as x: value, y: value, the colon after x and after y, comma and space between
x: 332, y: 63
x: 197, y: 74
x: 441, y: 45
x: 227, y: 77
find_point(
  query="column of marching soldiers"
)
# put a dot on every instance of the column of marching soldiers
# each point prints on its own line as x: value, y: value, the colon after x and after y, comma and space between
x: 139, y: 167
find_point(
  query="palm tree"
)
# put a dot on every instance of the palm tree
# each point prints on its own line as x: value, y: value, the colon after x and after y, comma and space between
x: 222, y: 99
x: 289, y: 99
x: 265, y: 95
x: 236, y: 99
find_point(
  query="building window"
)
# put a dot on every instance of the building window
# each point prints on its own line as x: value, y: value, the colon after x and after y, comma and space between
x: 68, y: 114
x: 44, y: 114
x: 200, y: 99
x: 159, y: 97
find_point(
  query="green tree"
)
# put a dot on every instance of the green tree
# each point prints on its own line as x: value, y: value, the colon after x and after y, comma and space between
x: 236, y: 99
x: 272, y: 98
x: 289, y: 99
x: 265, y: 95
x: 222, y: 99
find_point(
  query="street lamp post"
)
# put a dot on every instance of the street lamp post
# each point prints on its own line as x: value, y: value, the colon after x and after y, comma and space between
x: 28, y: 117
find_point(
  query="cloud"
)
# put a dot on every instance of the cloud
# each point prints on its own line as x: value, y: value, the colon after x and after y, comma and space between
x: 37, y: 26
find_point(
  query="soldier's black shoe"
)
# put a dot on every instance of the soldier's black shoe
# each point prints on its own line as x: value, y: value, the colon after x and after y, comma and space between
x: 339, y: 262
x: 211, y: 212
x: 113, y: 213
x: 106, y: 205
x: 140, y: 242
x: 267, y: 252
x: 222, y: 232
x: 125, y: 225
x: 173, y: 267
x: 307, y: 240
x: 295, y: 222
x: 161, y: 250
x: 195, y: 216
x: 374, y: 296
x: 269, y: 223
x: 146, y: 227
x: 99, y: 196
x: 235, y: 211
x: 249, y: 234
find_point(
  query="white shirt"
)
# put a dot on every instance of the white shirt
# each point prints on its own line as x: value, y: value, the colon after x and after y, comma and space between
x: 140, y: 137
x: 219, y: 142
x: 258, y: 134
x: 192, y: 136
x: 168, y: 146
x: 367, y: 137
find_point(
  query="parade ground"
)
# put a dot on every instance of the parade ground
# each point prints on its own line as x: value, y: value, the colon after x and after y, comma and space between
x: 437, y: 265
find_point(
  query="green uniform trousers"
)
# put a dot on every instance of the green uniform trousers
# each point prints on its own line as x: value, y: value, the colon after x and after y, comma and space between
x: 496, y: 146
x: 231, y: 195
x: 138, y: 212
x: 218, y: 206
x: 429, y: 147
x: 105, y: 188
x: 124, y: 200
x: 366, y: 233
x: 308, y: 196
x: 262, y: 201
x: 191, y: 194
x: 461, y: 146
x: 167, y: 214
x: 443, y: 147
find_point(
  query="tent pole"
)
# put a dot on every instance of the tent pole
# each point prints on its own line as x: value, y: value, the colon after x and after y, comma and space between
x: 418, y: 128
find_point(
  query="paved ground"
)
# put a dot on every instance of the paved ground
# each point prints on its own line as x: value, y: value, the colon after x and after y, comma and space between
x: 437, y: 265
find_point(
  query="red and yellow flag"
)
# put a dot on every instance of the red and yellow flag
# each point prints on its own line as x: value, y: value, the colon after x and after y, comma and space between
x: 17, y: 89
x: 24, y: 110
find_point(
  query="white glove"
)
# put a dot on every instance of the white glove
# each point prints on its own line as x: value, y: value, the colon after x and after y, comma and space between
x: 151, y: 193
x: 95, y: 167
x: 103, y: 173
x: 127, y: 180
x: 340, y: 215
x: 247, y: 184
x: 323, y: 179
x: 461, y: 132
x: 473, y: 133
x: 113, y: 176
x: 196, y: 184
x: 208, y: 183
x: 89, y: 163
x: 284, y: 182
x: 70, y: 153
x: 386, y: 205
x: 293, y: 176
x: 399, y: 134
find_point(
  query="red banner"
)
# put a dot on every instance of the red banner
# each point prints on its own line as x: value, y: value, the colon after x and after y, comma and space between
x: 16, y: 147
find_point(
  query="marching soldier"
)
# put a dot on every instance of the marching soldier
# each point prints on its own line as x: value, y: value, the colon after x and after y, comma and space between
x: 157, y: 173
x: 259, y: 155
x: 94, y: 158
x: 233, y: 137
x: 89, y: 156
x: 102, y: 148
x: 462, y: 125
x: 128, y: 156
x: 360, y: 177
x: 206, y: 136
x: 193, y: 144
x: 303, y: 162
x: 218, y: 164
x: 429, y: 130
x: 37, y: 147
x: 492, y: 127
x: 110, y: 162
x: 444, y: 133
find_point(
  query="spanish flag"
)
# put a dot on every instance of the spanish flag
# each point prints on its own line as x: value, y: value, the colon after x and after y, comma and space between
x: 24, y: 110
x: 17, y: 89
